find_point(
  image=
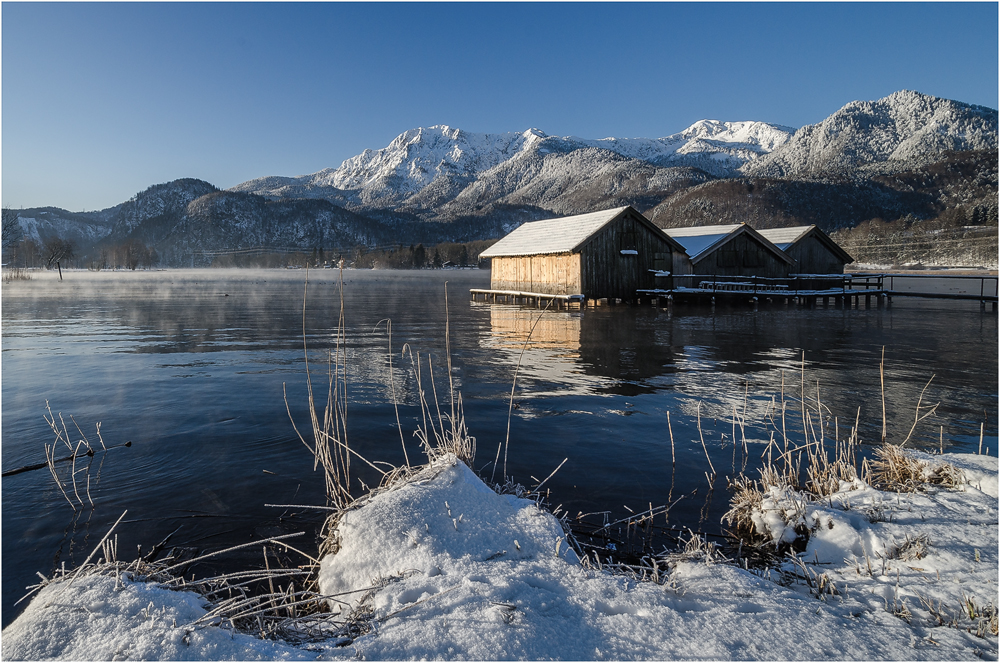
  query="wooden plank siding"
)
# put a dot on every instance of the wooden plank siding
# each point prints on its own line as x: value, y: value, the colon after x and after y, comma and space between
x: 606, y: 272
x: 546, y: 274
x: 601, y: 255
x: 742, y: 255
x: 812, y: 256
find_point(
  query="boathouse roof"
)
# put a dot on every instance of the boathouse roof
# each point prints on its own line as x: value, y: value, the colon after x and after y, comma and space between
x: 785, y: 238
x: 700, y: 241
x: 696, y: 240
x: 567, y: 234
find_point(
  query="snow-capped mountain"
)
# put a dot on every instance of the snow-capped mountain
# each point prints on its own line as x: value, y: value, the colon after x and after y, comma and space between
x: 908, y: 154
x: 430, y: 167
x: 901, y: 131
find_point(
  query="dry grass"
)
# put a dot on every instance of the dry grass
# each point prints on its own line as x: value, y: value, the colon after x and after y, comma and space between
x: 820, y: 465
x: 78, y: 449
x: 895, y: 470
x: 292, y: 610
x: 746, y: 499
x: 441, y: 432
x: 910, y: 549
x: 11, y: 274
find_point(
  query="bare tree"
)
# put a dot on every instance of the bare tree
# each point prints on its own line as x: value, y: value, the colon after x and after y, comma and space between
x: 56, y: 249
x: 11, y: 231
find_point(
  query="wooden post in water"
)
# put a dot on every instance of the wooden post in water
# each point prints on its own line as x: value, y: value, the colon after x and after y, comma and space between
x: 59, y: 267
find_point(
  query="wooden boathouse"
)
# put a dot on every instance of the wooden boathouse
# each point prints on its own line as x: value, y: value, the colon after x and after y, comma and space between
x: 606, y: 255
x: 812, y: 249
x: 731, y: 250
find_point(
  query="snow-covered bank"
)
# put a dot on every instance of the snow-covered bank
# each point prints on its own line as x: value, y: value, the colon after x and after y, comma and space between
x: 460, y: 572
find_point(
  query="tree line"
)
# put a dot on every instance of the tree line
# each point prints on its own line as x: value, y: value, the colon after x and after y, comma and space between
x: 965, y: 235
x: 413, y: 256
x: 51, y: 251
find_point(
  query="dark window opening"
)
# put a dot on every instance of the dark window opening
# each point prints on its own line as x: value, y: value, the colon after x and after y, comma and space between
x: 628, y: 241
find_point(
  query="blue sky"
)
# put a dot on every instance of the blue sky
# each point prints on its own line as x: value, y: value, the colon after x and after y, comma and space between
x: 101, y: 100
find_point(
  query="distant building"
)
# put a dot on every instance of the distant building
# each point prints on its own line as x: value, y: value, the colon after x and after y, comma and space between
x: 811, y: 248
x: 732, y: 250
x: 608, y: 254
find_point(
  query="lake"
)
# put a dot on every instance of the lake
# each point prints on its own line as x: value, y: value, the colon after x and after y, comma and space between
x: 190, y: 366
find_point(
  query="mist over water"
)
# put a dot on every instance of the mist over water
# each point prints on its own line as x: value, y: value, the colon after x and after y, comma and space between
x: 189, y: 365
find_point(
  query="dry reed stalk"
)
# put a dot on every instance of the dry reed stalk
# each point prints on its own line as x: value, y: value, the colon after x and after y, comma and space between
x: 701, y: 436
x: 917, y: 418
x: 51, y: 462
x: 881, y: 375
x: 894, y: 469
x: 449, y: 434
x: 62, y: 435
x: 392, y: 386
x: 673, y: 458
x: 330, y: 448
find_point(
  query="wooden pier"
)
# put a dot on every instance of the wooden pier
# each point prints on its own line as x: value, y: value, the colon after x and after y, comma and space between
x: 810, y: 290
x: 535, y: 299
x: 842, y: 290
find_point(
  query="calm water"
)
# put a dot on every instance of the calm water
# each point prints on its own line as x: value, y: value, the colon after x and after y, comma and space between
x: 189, y: 366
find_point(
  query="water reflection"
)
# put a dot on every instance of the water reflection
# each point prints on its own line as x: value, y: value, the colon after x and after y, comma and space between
x: 192, y: 366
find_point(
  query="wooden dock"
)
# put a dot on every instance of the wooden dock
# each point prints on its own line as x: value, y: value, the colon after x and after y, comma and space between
x: 842, y: 290
x: 535, y: 299
x: 862, y: 290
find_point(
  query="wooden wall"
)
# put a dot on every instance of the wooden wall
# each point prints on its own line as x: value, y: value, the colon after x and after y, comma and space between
x: 600, y: 270
x: 609, y: 273
x: 743, y: 256
x: 813, y: 257
x: 546, y: 274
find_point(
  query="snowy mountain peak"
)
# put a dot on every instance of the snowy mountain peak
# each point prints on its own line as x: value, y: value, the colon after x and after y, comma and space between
x: 761, y: 136
x: 427, y: 170
x: 906, y: 128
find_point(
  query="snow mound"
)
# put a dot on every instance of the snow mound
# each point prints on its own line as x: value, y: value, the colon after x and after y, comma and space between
x: 441, y: 567
x: 101, y: 618
x: 454, y: 524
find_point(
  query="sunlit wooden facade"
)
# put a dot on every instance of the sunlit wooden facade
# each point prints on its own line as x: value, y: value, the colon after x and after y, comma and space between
x: 608, y: 254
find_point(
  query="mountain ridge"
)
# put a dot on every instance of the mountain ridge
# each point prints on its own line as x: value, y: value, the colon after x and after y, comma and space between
x: 867, y: 160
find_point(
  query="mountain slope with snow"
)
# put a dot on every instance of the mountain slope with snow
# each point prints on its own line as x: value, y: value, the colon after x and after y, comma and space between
x: 883, y: 159
x: 901, y: 131
x: 424, y: 169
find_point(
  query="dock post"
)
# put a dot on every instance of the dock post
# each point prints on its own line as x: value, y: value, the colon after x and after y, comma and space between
x: 982, y: 305
x: 826, y: 302
x: 868, y: 301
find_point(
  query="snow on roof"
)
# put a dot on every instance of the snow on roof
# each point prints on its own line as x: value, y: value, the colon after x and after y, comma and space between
x: 698, y: 239
x: 785, y: 237
x: 563, y: 235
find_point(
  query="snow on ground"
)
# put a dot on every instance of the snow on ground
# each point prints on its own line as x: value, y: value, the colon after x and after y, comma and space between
x: 460, y: 572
